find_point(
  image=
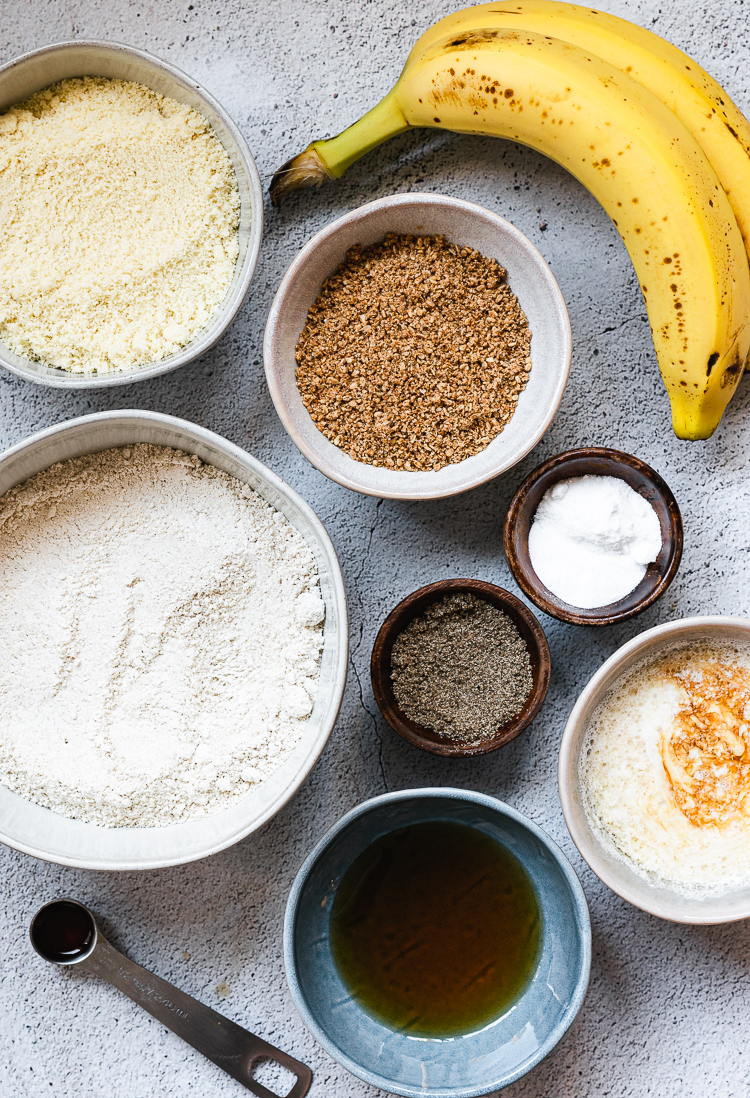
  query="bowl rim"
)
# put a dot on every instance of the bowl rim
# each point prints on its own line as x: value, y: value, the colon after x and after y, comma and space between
x: 296, y: 269
x: 397, y: 621
x: 234, y: 297
x: 528, y: 580
x: 582, y: 924
x: 640, y: 893
x: 212, y: 441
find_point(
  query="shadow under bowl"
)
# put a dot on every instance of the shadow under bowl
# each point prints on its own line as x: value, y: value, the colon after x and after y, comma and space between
x: 39, y: 69
x: 602, y: 462
x: 414, y: 605
x: 461, y: 223
x: 458, y: 1067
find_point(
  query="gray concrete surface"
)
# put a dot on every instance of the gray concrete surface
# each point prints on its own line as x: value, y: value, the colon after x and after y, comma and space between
x: 668, y: 1010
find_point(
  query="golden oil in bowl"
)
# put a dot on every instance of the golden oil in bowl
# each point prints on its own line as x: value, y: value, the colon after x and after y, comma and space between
x: 436, y: 929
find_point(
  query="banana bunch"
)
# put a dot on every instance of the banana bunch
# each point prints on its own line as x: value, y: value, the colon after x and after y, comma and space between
x: 657, y: 142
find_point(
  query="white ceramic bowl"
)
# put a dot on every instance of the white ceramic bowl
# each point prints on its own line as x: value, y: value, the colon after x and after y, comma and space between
x: 462, y: 223
x: 43, y: 833
x: 657, y: 900
x: 39, y: 69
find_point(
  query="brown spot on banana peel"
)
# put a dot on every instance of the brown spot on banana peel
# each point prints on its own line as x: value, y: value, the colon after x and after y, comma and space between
x: 477, y: 38
x: 732, y: 374
x: 740, y: 141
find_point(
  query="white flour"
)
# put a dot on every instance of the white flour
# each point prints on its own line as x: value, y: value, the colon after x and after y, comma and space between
x: 161, y: 629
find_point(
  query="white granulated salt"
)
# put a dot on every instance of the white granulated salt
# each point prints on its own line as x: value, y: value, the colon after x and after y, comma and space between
x: 119, y: 211
x: 592, y: 540
x: 161, y: 630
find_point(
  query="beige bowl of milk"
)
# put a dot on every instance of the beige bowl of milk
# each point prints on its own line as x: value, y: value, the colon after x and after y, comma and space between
x: 654, y: 771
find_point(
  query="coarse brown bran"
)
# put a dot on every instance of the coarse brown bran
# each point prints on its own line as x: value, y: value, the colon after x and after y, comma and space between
x: 414, y: 353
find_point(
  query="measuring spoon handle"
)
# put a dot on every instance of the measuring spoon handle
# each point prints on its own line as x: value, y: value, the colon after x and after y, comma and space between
x: 224, y: 1042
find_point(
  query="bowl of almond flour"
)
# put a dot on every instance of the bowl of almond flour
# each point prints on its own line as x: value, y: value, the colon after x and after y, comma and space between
x: 174, y: 635
x: 132, y: 214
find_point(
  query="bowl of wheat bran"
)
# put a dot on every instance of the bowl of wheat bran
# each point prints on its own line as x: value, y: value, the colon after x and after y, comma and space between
x: 139, y: 271
x: 417, y: 347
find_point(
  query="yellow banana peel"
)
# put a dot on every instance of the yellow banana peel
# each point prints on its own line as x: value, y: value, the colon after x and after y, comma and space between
x: 700, y: 103
x: 627, y: 147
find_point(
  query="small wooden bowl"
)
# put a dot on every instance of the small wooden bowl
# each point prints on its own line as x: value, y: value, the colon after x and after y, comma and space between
x: 415, y: 604
x: 595, y: 461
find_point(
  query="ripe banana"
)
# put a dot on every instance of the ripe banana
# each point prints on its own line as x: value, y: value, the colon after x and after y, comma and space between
x: 696, y: 98
x: 628, y: 149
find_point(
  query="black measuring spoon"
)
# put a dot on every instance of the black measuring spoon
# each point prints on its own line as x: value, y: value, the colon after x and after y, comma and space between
x: 65, y: 933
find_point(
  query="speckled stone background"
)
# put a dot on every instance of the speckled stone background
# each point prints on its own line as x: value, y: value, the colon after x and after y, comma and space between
x: 668, y: 1009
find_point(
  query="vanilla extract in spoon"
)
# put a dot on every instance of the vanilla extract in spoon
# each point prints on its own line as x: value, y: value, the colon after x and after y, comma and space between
x: 63, y: 932
x: 436, y: 929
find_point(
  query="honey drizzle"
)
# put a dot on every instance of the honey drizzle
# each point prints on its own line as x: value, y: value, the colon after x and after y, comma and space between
x: 707, y: 756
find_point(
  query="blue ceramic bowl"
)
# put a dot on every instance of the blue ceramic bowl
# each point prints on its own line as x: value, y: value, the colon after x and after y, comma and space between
x: 458, y: 1067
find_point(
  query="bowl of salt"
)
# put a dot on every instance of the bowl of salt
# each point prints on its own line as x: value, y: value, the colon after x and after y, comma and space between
x: 593, y: 536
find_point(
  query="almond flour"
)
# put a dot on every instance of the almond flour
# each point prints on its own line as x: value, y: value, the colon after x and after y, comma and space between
x: 161, y: 628
x: 119, y: 215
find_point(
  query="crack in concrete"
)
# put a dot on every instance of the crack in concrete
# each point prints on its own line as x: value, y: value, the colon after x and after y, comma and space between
x: 356, y: 580
x: 374, y: 720
x: 355, y: 648
x: 366, y: 553
x: 628, y: 320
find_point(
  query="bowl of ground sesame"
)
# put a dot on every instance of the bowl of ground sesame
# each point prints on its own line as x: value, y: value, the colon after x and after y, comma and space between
x: 137, y: 216
x: 417, y: 347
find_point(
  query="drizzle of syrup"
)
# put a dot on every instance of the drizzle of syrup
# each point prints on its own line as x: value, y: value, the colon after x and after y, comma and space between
x: 707, y: 755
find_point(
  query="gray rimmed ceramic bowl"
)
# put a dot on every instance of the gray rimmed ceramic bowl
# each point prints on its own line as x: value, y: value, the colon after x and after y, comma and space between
x: 34, y: 71
x: 461, y: 223
x: 457, y: 1067
x: 35, y: 830
x: 657, y: 898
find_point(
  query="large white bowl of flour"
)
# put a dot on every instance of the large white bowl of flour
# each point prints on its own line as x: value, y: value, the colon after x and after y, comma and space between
x: 38, y: 830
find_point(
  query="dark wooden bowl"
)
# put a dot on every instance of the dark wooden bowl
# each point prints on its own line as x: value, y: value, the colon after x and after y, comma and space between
x: 596, y: 461
x: 411, y: 607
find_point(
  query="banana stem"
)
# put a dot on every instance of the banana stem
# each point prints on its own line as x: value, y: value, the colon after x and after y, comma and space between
x: 383, y: 121
x: 329, y: 159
